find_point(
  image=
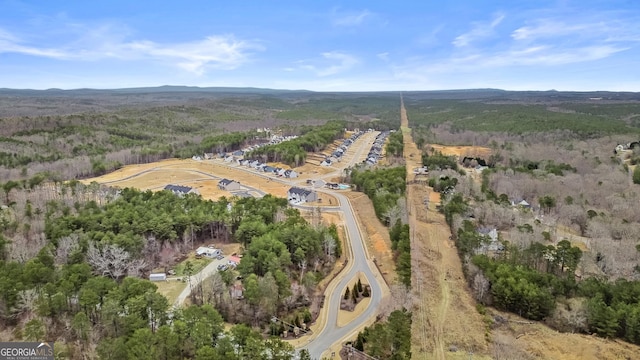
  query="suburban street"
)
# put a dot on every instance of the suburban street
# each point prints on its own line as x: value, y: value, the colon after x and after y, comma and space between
x: 359, y: 262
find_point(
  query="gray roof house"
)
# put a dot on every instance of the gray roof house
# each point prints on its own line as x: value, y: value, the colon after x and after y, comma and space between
x: 181, y: 190
x: 229, y: 185
x: 299, y: 195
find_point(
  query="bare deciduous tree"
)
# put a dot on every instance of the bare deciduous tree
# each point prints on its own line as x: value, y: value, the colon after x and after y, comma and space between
x: 480, y: 287
x: 329, y: 247
x: 113, y: 261
x: 66, y: 246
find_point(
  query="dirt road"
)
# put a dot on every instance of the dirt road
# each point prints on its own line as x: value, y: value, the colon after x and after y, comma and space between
x: 445, y: 317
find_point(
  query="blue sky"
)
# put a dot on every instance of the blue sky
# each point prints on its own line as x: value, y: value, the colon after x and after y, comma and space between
x: 322, y: 45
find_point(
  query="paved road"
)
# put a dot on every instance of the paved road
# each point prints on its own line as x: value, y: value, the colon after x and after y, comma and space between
x: 331, y: 333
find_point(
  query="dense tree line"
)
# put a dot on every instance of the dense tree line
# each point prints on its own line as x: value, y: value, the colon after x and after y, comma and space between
x: 401, y: 244
x: 390, y: 339
x: 218, y: 143
x: 384, y: 186
x: 524, y: 118
x: 438, y: 161
x: 294, y: 152
x: 395, y: 144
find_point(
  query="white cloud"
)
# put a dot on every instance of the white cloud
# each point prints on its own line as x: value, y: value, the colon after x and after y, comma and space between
x: 479, y: 31
x: 213, y: 52
x: 352, y: 19
x: 332, y: 63
x: 383, y: 56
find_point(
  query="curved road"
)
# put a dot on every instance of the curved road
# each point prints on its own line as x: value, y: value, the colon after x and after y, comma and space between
x: 359, y: 262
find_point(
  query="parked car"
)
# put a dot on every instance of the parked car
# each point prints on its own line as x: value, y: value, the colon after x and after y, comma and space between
x: 223, y: 267
x: 220, y: 257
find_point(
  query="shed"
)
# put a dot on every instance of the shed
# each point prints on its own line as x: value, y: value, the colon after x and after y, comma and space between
x: 158, y: 277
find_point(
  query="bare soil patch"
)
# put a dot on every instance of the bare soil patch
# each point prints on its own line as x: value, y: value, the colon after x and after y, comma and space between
x: 534, y: 340
x: 462, y: 151
x: 444, y: 313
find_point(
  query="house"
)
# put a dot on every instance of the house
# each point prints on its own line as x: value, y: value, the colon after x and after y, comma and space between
x: 299, y: 195
x: 522, y: 204
x: 181, y: 190
x: 208, y: 252
x: 492, y: 243
x: 290, y: 174
x: 228, y: 158
x: 238, y: 153
x: 236, y: 291
x: 234, y: 261
x: 269, y: 169
x: 208, y: 156
x: 333, y: 186
x: 229, y: 185
x: 421, y: 170
x: 196, y: 157
x: 158, y: 277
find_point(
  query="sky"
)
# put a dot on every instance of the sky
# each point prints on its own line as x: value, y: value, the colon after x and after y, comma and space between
x: 326, y: 45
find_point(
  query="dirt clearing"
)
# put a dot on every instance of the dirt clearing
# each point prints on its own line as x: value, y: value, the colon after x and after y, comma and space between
x: 444, y: 314
x: 462, y: 151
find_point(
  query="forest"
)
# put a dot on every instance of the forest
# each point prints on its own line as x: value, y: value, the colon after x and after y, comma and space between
x: 569, y: 257
x: 85, y: 277
x: 294, y: 152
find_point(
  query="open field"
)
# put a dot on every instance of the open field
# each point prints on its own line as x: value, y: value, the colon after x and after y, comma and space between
x: 201, y: 175
x: 171, y: 289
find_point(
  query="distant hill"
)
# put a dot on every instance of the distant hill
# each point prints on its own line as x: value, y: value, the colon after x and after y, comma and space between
x: 461, y: 94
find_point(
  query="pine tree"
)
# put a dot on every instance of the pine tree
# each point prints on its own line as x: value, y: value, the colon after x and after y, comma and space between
x: 359, y: 286
x: 346, y: 294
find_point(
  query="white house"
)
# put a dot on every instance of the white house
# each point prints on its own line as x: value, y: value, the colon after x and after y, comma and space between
x: 208, y: 252
x: 299, y: 195
x: 290, y: 174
